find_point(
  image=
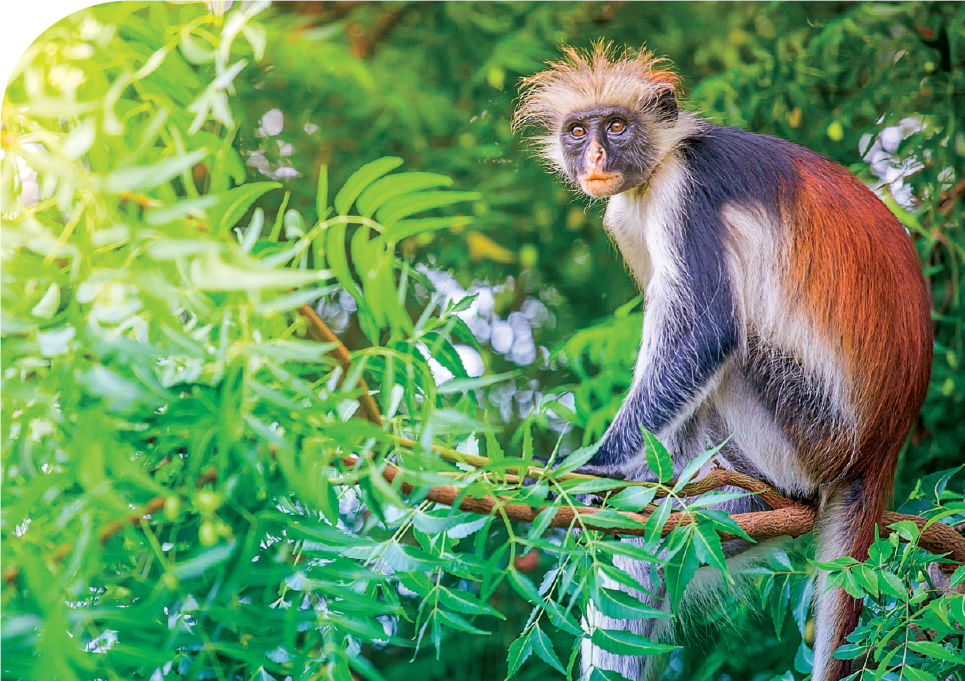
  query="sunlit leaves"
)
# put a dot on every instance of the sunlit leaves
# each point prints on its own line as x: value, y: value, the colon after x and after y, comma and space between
x: 145, y: 177
x: 361, y: 179
x: 166, y: 389
x: 388, y: 188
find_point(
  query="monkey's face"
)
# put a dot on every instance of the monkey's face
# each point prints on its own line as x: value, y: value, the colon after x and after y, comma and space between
x: 606, y: 151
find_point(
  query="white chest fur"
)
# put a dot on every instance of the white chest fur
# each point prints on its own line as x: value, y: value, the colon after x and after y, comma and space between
x: 643, y: 222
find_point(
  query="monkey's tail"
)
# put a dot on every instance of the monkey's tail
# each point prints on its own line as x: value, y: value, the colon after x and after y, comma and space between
x: 845, y: 527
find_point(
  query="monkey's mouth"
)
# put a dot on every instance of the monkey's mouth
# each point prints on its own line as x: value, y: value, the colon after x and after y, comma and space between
x: 598, y: 183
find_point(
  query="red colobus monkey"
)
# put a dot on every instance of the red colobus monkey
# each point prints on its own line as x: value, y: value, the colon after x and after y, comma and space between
x: 785, y: 308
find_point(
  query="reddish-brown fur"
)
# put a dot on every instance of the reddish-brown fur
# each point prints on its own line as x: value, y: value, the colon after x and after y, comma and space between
x: 860, y: 279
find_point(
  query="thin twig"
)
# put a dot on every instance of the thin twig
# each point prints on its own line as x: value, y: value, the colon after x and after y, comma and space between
x: 320, y: 331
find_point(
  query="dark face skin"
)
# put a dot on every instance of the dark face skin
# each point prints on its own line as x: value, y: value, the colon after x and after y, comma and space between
x: 606, y: 150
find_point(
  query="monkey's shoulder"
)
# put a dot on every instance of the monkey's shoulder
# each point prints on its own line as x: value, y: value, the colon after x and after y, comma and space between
x: 733, y: 167
x: 736, y: 166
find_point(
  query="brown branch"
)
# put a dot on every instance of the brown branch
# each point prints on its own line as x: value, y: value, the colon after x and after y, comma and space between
x: 717, y: 477
x: 154, y: 505
x: 788, y: 518
x: 792, y: 520
x: 723, y: 477
x: 947, y: 199
x: 935, y: 538
x: 320, y: 331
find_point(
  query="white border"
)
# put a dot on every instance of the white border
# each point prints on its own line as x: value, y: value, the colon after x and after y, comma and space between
x: 22, y: 22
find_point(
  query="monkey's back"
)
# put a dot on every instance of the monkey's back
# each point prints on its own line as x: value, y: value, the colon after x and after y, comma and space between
x: 835, y: 333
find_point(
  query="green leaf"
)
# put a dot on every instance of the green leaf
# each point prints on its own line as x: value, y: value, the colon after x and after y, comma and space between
x: 867, y: 578
x: 709, y: 548
x: 80, y: 139
x: 465, y: 529
x: 253, y: 232
x: 462, y: 304
x: 620, y: 605
x: 390, y: 187
x: 562, y: 619
x: 518, y: 652
x: 321, y: 193
x: 907, y: 530
x: 406, y: 228
x: 577, y: 458
x: 655, y: 523
x: 913, y: 674
x: 958, y: 576
x: 658, y: 458
x: 630, y: 550
x: 454, y: 621
x: 203, y: 561
x: 404, y: 206
x: 234, y: 203
x: 134, y: 178
x: 716, y: 497
x: 290, y: 301
x: 524, y: 587
x: 405, y: 558
x: 541, y: 522
x: 779, y: 602
x: 597, y: 674
x: 634, y: 498
x: 721, y: 522
x: 593, y: 486
x: 544, y: 649
x: 361, y: 179
x: 681, y: 569
x: 466, y: 603
x: 692, y: 468
x: 211, y: 273
x: 890, y: 583
x: 849, y: 651
x: 611, y: 519
x: 936, y: 651
x: 627, y: 643
x: 338, y: 262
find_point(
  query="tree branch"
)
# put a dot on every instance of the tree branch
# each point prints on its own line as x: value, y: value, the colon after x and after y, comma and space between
x: 788, y: 518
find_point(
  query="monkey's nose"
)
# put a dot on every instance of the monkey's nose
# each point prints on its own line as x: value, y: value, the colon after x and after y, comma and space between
x: 596, y: 154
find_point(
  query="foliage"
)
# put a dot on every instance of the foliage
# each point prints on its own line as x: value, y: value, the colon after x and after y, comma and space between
x: 177, y: 184
x: 905, y: 630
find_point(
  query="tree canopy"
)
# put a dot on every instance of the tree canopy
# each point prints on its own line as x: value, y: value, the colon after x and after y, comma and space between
x: 273, y: 276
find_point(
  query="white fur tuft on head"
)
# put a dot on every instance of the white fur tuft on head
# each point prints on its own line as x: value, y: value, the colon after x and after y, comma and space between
x: 589, y: 79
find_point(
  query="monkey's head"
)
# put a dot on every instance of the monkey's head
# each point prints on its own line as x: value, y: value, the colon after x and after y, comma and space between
x: 605, y: 119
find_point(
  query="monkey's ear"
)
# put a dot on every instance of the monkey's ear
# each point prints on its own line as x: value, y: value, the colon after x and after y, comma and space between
x: 666, y: 106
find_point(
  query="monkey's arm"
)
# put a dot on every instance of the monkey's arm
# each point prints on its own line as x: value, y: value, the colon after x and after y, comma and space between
x: 689, y: 329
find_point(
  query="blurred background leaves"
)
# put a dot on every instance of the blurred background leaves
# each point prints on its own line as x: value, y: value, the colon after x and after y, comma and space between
x: 170, y: 190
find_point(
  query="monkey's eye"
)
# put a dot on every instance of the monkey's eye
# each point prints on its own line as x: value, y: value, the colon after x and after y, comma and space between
x: 617, y: 126
x: 578, y: 131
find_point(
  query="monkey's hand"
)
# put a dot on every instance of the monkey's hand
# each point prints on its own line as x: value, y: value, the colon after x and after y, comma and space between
x: 622, y: 443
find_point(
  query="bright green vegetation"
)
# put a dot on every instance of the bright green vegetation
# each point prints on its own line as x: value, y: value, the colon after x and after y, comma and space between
x: 176, y: 185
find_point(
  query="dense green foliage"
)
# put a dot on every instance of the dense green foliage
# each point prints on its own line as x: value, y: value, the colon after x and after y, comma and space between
x: 176, y: 184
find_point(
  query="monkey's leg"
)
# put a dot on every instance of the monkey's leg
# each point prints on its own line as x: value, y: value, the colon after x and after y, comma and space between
x: 707, y: 586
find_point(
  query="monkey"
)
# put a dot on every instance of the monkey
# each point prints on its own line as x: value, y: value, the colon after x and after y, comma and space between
x: 786, y: 314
